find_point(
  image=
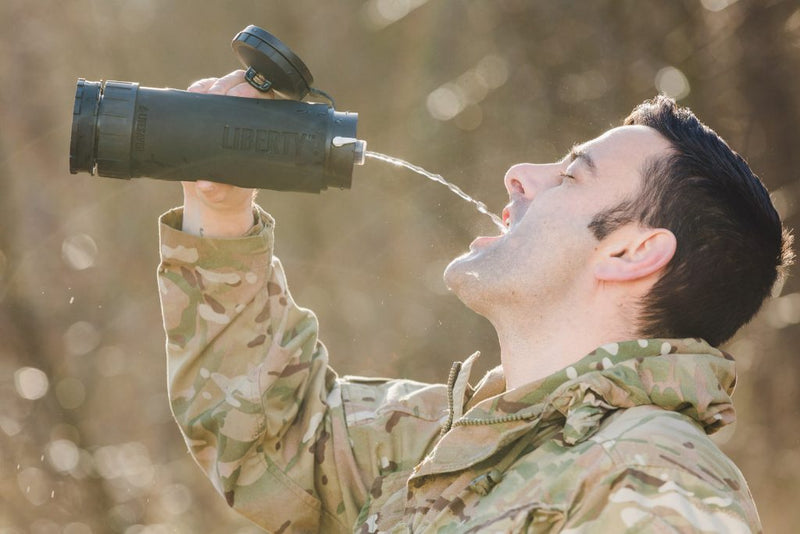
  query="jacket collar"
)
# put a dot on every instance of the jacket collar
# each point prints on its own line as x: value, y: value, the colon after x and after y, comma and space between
x: 687, y: 376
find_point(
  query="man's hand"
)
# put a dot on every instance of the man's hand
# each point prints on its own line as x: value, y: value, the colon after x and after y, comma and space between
x: 212, y: 209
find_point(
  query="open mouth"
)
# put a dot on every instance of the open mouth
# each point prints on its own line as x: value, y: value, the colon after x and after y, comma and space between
x: 483, y: 241
x: 506, y: 216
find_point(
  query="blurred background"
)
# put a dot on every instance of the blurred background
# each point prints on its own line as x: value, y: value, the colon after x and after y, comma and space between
x: 463, y: 88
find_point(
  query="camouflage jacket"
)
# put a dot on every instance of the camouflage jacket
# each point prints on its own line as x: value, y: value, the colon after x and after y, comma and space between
x: 616, y: 442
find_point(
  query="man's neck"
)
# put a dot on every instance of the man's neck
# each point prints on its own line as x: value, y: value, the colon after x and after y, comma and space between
x: 541, y: 345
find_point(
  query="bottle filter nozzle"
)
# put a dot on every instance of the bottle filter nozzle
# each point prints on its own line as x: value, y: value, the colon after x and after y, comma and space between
x: 359, y: 147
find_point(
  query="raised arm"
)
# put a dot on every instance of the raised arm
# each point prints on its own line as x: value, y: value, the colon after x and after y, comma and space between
x: 286, y: 443
x: 248, y: 379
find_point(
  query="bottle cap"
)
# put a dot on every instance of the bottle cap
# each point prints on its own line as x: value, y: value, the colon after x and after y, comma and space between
x: 271, y: 64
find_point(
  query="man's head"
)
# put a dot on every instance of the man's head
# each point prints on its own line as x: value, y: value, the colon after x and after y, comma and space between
x: 658, y: 217
x: 731, y: 246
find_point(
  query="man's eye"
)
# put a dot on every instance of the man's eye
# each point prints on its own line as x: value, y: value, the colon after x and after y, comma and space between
x: 565, y: 175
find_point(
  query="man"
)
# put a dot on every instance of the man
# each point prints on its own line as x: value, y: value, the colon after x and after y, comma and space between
x: 623, y: 265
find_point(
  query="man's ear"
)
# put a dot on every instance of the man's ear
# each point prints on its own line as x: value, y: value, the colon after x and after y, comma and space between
x: 633, y: 253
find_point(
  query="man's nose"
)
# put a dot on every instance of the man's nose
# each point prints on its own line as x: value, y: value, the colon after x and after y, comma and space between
x: 525, y: 179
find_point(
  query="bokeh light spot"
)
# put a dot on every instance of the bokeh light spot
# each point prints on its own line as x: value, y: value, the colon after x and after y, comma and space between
x: 470, y: 118
x: 81, y: 338
x: 176, y: 499
x: 33, y: 484
x: 672, y: 82
x: 793, y: 22
x: 378, y: 14
x: 493, y: 69
x: 464, y: 93
x: 129, y: 461
x: 70, y: 393
x: 44, y: 526
x: 444, y: 103
x: 79, y: 251
x: 111, y: 360
x: 717, y: 5
x: 62, y: 454
x: 77, y: 528
x: 9, y: 426
x: 783, y: 311
x: 31, y: 383
x: 3, y: 264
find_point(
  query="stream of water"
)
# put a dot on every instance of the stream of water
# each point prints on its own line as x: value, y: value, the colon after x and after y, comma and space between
x: 480, y: 206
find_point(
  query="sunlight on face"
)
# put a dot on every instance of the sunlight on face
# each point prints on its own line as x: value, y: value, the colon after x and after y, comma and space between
x: 545, y: 256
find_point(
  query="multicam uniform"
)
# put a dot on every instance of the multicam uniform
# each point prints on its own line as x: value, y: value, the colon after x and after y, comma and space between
x: 614, y: 443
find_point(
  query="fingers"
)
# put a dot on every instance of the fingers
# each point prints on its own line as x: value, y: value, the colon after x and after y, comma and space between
x: 246, y: 90
x: 227, y: 82
x: 201, y: 86
x: 232, y: 84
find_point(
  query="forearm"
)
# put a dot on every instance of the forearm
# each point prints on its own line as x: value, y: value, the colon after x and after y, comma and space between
x: 262, y: 414
x: 248, y: 379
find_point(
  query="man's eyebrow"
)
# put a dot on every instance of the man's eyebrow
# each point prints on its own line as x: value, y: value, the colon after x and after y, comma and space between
x: 576, y: 152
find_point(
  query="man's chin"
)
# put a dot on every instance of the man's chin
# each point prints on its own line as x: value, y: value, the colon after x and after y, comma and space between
x: 468, y: 284
x: 462, y: 274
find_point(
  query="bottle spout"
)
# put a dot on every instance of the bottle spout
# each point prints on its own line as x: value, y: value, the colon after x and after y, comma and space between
x: 359, y: 147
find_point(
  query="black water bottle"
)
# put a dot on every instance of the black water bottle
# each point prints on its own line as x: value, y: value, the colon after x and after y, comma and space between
x: 122, y: 130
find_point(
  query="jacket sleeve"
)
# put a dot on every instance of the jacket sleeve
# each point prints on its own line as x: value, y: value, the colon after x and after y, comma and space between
x: 250, y: 388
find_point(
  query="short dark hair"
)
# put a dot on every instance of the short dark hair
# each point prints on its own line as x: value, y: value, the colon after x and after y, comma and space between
x: 731, y: 244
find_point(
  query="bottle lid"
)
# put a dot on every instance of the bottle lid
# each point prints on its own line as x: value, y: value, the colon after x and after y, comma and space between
x: 271, y: 64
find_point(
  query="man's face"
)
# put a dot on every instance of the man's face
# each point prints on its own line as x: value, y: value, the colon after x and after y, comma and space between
x: 546, y: 255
